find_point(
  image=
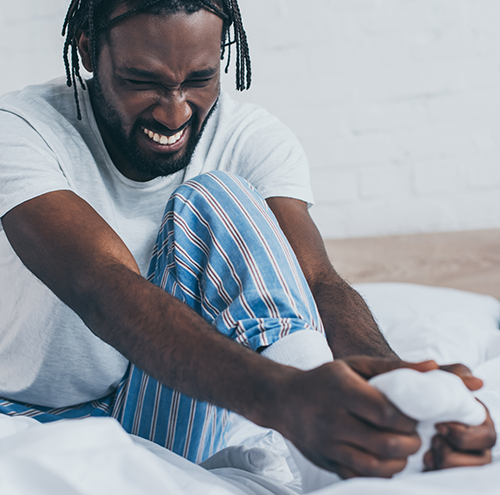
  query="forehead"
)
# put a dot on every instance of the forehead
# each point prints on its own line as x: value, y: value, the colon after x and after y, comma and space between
x: 156, y: 42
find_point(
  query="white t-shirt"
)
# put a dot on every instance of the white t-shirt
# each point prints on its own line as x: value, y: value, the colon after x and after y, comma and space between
x: 48, y: 356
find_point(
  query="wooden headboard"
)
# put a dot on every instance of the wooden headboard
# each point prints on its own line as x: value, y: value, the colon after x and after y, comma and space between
x: 462, y: 260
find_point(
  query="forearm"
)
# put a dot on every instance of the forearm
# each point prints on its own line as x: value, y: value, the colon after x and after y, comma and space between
x: 349, y: 325
x: 324, y: 412
x: 173, y: 344
x: 74, y: 253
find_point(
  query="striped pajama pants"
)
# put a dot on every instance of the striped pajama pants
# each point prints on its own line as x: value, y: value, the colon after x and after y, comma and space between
x: 219, y: 250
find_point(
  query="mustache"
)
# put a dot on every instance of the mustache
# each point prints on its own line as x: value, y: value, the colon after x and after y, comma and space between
x: 155, y: 126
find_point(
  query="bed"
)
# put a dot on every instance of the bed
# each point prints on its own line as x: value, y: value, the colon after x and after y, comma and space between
x: 434, y: 296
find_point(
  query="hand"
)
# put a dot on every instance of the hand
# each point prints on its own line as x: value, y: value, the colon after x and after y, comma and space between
x: 342, y: 424
x: 457, y: 444
x: 471, y: 382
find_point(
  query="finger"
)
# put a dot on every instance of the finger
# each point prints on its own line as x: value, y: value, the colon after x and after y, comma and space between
x: 343, y: 472
x: 349, y: 462
x: 471, y: 382
x: 422, y: 366
x: 369, y: 404
x: 363, y: 464
x: 369, y: 367
x: 464, y: 437
x: 428, y: 460
x: 382, y: 444
x: 456, y: 459
x: 444, y: 456
x: 330, y: 465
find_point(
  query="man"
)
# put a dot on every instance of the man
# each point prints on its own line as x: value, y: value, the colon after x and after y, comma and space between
x: 82, y: 198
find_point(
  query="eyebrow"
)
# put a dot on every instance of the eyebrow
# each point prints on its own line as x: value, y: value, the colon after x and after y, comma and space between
x: 146, y: 74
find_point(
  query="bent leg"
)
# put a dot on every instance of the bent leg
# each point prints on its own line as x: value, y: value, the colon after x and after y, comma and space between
x: 219, y: 250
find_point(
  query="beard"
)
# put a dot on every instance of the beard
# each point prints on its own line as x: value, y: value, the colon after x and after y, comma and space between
x: 146, y: 164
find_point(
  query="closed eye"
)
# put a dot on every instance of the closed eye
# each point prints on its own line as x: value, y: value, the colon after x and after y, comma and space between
x: 198, y: 82
x: 138, y: 83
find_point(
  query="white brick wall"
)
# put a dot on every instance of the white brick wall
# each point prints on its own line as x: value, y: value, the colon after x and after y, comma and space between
x: 397, y: 102
x: 30, y: 42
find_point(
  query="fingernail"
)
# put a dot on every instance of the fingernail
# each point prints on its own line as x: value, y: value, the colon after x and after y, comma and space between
x: 443, y: 430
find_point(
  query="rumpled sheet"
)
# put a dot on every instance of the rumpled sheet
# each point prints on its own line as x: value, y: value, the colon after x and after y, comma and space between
x: 95, y: 456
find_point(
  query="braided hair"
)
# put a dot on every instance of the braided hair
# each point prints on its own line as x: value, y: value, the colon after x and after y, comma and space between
x: 94, y: 17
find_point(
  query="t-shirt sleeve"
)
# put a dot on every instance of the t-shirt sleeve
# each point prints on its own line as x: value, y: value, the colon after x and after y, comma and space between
x: 271, y: 158
x: 28, y: 165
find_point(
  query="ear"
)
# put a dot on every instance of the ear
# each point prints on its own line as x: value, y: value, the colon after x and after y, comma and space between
x: 84, y: 50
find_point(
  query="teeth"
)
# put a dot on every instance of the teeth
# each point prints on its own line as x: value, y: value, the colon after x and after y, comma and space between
x: 159, y: 138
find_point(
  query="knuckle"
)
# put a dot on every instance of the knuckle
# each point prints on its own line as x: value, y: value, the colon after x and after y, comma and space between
x: 387, y: 415
x: 384, y: 469
x: 390, y: 447
x: 372, y: 467
x: 491, y: 438
x: 458, y: 440
x: 341, y: 367
x: 397, y: 467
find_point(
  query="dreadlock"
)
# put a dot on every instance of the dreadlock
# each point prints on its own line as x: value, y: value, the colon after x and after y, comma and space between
x: 94, y: 16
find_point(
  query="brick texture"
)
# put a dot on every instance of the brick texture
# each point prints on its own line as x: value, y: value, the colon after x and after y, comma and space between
x: 397, y: 103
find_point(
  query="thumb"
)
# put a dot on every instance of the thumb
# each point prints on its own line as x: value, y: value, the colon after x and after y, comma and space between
x: 368, y: 366
x: 471, y: 382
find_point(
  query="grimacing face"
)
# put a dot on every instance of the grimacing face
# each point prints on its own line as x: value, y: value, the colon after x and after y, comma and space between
x: 157, y: 82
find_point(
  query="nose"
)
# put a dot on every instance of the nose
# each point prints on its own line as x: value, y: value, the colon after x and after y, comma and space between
x: 173, y: 111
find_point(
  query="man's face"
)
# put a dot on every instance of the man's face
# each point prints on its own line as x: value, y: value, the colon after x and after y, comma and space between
x: 158, y: 80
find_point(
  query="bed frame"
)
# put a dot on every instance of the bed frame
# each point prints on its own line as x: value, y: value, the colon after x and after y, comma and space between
x: 467, y: 260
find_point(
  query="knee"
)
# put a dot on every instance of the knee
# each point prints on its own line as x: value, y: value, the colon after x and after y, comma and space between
x: 213, y: 194
x: 218, y: 181
x: 223, y: 186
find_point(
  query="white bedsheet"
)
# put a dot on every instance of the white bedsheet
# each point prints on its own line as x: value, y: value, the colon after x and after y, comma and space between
x: 95, y: 456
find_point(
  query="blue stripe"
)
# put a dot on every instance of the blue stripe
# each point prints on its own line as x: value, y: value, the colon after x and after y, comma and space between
x: 219, y: 250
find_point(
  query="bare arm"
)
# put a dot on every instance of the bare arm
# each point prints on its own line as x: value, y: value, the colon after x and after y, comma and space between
x: 68, y: 246
x: 351, y: 330
x: 328, y: 413
x: 349, y: 325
